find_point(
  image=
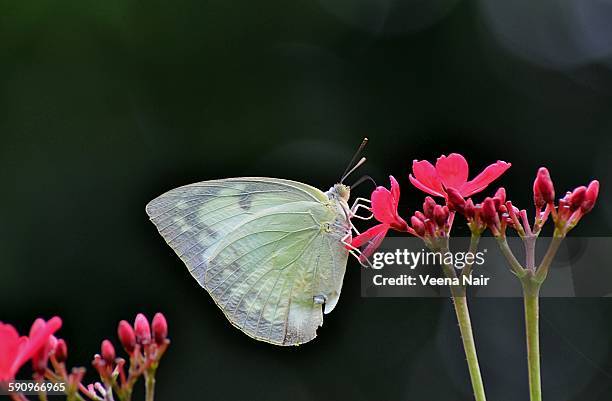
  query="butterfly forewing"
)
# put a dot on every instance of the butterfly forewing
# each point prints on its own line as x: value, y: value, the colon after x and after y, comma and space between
x: 193, y: 218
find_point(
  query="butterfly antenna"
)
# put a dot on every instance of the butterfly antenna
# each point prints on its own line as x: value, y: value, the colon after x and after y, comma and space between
x: 350, y: 168
x: 359, y: 163
x: 362, y: 180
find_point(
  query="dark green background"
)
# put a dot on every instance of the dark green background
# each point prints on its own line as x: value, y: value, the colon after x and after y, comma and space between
x: 105, y: 105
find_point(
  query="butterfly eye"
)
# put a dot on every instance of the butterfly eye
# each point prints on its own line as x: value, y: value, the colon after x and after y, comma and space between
x: 319, y: 299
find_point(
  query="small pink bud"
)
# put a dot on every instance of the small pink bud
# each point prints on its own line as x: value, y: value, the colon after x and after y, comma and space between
x: 108, y: 352
x: 52, y: 343
x: 440, y: 215
x: 590, y: 196
x: 428, y: 207
x: 61, y: 351
x: 160, y: 328
x: 576, y: 197
x: 543, y: 188
x: 142, y: 329
x: 469, y: 209
x: 420, y: 216
x: 455, y: 201
x: 126, y: 336
x: 500, y: 196
x: 489, y: 213
x: 417, y: 225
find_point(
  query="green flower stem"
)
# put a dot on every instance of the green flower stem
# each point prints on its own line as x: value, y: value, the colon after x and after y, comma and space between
x: 465, y: 326
x: 532, y: 279
x: 531, y: 290
x: 515, y: 265
x: 150, y: 384
x: 553, y: 247
x: 474, y: 240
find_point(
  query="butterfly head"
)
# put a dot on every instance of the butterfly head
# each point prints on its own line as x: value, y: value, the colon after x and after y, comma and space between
x: 340, y: 191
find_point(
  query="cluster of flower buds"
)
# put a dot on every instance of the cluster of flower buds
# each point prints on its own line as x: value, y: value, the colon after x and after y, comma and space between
x: 433, y: 222
x: 491, y: 213
x: 570, y: 208
x: 144, y: 343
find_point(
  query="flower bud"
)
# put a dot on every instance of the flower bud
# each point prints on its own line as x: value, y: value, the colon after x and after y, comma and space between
x: 52, y: 343
x: 576, y: 197
x: 590, y: 196
x: 440, y: 215
x: 489, y: 213
x: 417, y: 225
x: 454, y: 200
x: 500, y: 196
x: 142, y: 329
x: 543, y: 188
x: 469, y: 209
x: 420, y: 216
x: 428, y: 207
x: 108, y: 352
x: 160, y: 328
x: 126, y: 336
x: 61, y: 351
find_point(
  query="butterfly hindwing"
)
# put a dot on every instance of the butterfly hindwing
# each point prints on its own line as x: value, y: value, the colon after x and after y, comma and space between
x: 265, y: 274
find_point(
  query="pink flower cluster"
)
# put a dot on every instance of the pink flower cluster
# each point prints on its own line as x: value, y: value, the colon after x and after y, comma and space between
x: 448, y: 179
x: 145, y: 344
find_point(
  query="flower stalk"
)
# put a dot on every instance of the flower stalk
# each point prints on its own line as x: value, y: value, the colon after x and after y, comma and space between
x: 469, y: 346
x: 566, y: 214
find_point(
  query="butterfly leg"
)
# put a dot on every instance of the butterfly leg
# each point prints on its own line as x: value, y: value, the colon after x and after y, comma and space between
x: 361, y: 203
x: 355, y: 251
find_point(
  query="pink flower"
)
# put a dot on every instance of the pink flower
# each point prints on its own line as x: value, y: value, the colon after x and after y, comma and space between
x: 384, y: 207
x: 452, y: 172
x: 15, y: 351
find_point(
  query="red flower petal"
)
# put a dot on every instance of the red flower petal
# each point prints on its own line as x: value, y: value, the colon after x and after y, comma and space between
x: 38, y: 338
x: 395, y: 190
x: 9, y: 347
x: 452, y: 170
x: 367, y: 235
x: 487, y: 176
x: 383, y: 205
x: 426, y: 178
x: 372, y: 238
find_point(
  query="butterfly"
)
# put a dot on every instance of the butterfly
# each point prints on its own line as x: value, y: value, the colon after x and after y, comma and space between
x: 272, y: 253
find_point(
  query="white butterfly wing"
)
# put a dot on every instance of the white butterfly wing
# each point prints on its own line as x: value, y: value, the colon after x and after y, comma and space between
x: 263, y: 248
x: 193, y: 218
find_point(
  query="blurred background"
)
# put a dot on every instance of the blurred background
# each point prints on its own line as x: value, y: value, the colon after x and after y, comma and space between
x: 105, y: 105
